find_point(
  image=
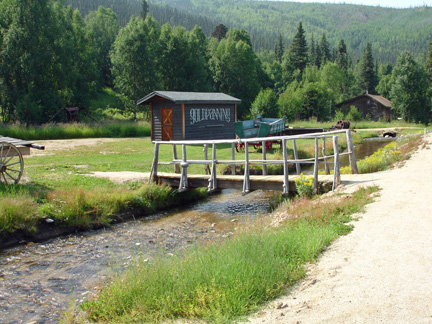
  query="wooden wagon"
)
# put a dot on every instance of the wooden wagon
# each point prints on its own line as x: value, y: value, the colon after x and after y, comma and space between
x: 261, y: 127
x: 11, y: 158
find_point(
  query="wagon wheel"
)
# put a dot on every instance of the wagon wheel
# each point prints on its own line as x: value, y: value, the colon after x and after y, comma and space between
x: 11, y: 163
x: 239, y: 147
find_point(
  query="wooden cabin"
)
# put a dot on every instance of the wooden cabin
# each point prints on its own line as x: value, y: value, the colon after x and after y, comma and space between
x: 191, y: 115
x: 369, y: 105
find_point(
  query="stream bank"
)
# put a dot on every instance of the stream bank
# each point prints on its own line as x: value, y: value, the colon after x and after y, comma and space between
x: 39, y: 280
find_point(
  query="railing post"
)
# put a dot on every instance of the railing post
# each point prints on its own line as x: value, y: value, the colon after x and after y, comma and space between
x: 327, y: 171
x: 352, y: 160
x: 154, y: 169
x: 233, y: 150
x: 176, y: 166
x: 206, y: 166
x: 285, y: 186
x: 336, y: 178
x: 315, y: 180
x: 246, y: 181
x: 264, y: 151
x: 213, y: 180
x: 298, y: 167
x: 183, y: 178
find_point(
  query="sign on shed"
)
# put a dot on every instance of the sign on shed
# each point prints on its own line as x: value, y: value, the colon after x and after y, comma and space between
x: 191, y: 115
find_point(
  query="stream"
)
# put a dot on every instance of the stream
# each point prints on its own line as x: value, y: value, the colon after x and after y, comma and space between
x: 38, y: 281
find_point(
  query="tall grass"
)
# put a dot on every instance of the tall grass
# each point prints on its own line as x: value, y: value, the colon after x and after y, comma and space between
x: 223, y: 281
x: 18, y: 210
x: 77, y: 208
x: 76, y: 130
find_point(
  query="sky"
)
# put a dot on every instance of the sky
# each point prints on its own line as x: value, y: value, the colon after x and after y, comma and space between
x: 382, y: 3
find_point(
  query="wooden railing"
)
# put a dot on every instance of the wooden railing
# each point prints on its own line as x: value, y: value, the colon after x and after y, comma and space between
x: 184, y: 162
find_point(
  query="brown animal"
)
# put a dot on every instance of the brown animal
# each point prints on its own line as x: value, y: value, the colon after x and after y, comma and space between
x: 342, y: 124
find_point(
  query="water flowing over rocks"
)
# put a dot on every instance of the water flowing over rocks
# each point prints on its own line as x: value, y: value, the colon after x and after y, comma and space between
x: 39, y: 281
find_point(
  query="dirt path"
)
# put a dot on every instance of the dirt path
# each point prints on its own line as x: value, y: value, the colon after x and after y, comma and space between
x: 379, y: 273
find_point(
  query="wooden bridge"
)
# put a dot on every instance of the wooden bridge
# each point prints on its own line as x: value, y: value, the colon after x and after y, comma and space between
x: 247, y: 182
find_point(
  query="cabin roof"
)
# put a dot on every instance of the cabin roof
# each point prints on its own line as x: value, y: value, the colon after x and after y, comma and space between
x: 179, y: 97
x: 383, y: 101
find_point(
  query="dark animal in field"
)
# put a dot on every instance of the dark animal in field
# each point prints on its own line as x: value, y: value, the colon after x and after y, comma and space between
x: 342, y: 124
x: 389, y: 134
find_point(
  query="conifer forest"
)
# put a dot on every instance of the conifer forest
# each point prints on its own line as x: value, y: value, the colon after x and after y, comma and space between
x: 280, y: 58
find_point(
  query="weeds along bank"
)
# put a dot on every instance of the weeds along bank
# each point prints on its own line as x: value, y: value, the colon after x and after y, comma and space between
x: 26, y: 215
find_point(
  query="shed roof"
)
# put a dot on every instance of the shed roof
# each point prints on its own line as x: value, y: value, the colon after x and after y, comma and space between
x: 383, y: 101
x: 179, y: 97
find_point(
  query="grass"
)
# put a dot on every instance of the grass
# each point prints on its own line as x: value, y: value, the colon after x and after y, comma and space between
x: 77, y: 130
x: 223, y: 281
x: 77, y: 208
x: 387, y: 156
x: 312, y: 123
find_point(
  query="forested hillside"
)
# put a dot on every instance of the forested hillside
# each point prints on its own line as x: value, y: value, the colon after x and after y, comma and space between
x: 389, y: 31
x: 163, y: 13
x: 53, y: 56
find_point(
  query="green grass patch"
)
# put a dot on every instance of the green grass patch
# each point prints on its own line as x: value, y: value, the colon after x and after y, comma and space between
x: 77, y: 130
x: 223, y: 281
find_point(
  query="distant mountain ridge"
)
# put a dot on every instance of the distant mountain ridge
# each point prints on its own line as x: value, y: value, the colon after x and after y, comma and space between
x: 390, y: 31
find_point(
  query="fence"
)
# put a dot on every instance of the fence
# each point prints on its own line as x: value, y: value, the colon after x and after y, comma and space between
x: 210, y: 164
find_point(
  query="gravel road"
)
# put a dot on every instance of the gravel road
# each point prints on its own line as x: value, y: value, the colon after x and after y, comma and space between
x: 381, y: 271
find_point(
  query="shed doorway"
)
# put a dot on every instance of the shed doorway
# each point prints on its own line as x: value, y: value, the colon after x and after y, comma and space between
x: 167, y: 124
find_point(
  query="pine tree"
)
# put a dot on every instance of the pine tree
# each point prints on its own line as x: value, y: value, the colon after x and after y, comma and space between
x: 298, y: 55
x: 325, y: 50
x: 312, y: 52
x: 279, y: 49
x: 367, y: 78
x: 144, y: 9
x: 342, y: 56
x: 220, y: 31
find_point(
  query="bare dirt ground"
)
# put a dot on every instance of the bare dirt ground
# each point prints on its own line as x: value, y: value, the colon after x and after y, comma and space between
x: 381, y: 271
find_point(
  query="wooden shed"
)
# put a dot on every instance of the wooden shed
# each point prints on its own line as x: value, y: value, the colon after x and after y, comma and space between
x: 370, y: 105
x: 191, y: 115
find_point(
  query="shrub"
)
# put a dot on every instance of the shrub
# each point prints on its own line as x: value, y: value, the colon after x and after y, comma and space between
x: 304, y: 185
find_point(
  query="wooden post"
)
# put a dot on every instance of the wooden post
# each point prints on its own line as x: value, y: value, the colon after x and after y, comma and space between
x: 315, y: 180
x: 206, y: 166
x: 213, y: 179
x: 327, y: 171
x: 176, y: 166
x: 298, y: 167
x: 183, y: 178
x: 285, y: 186
x: 336, y: 178
x: 352, y: 160
x: 246, y: 181
x: 264, y: 151
x: 233, y: 150
x: 154, y: 169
